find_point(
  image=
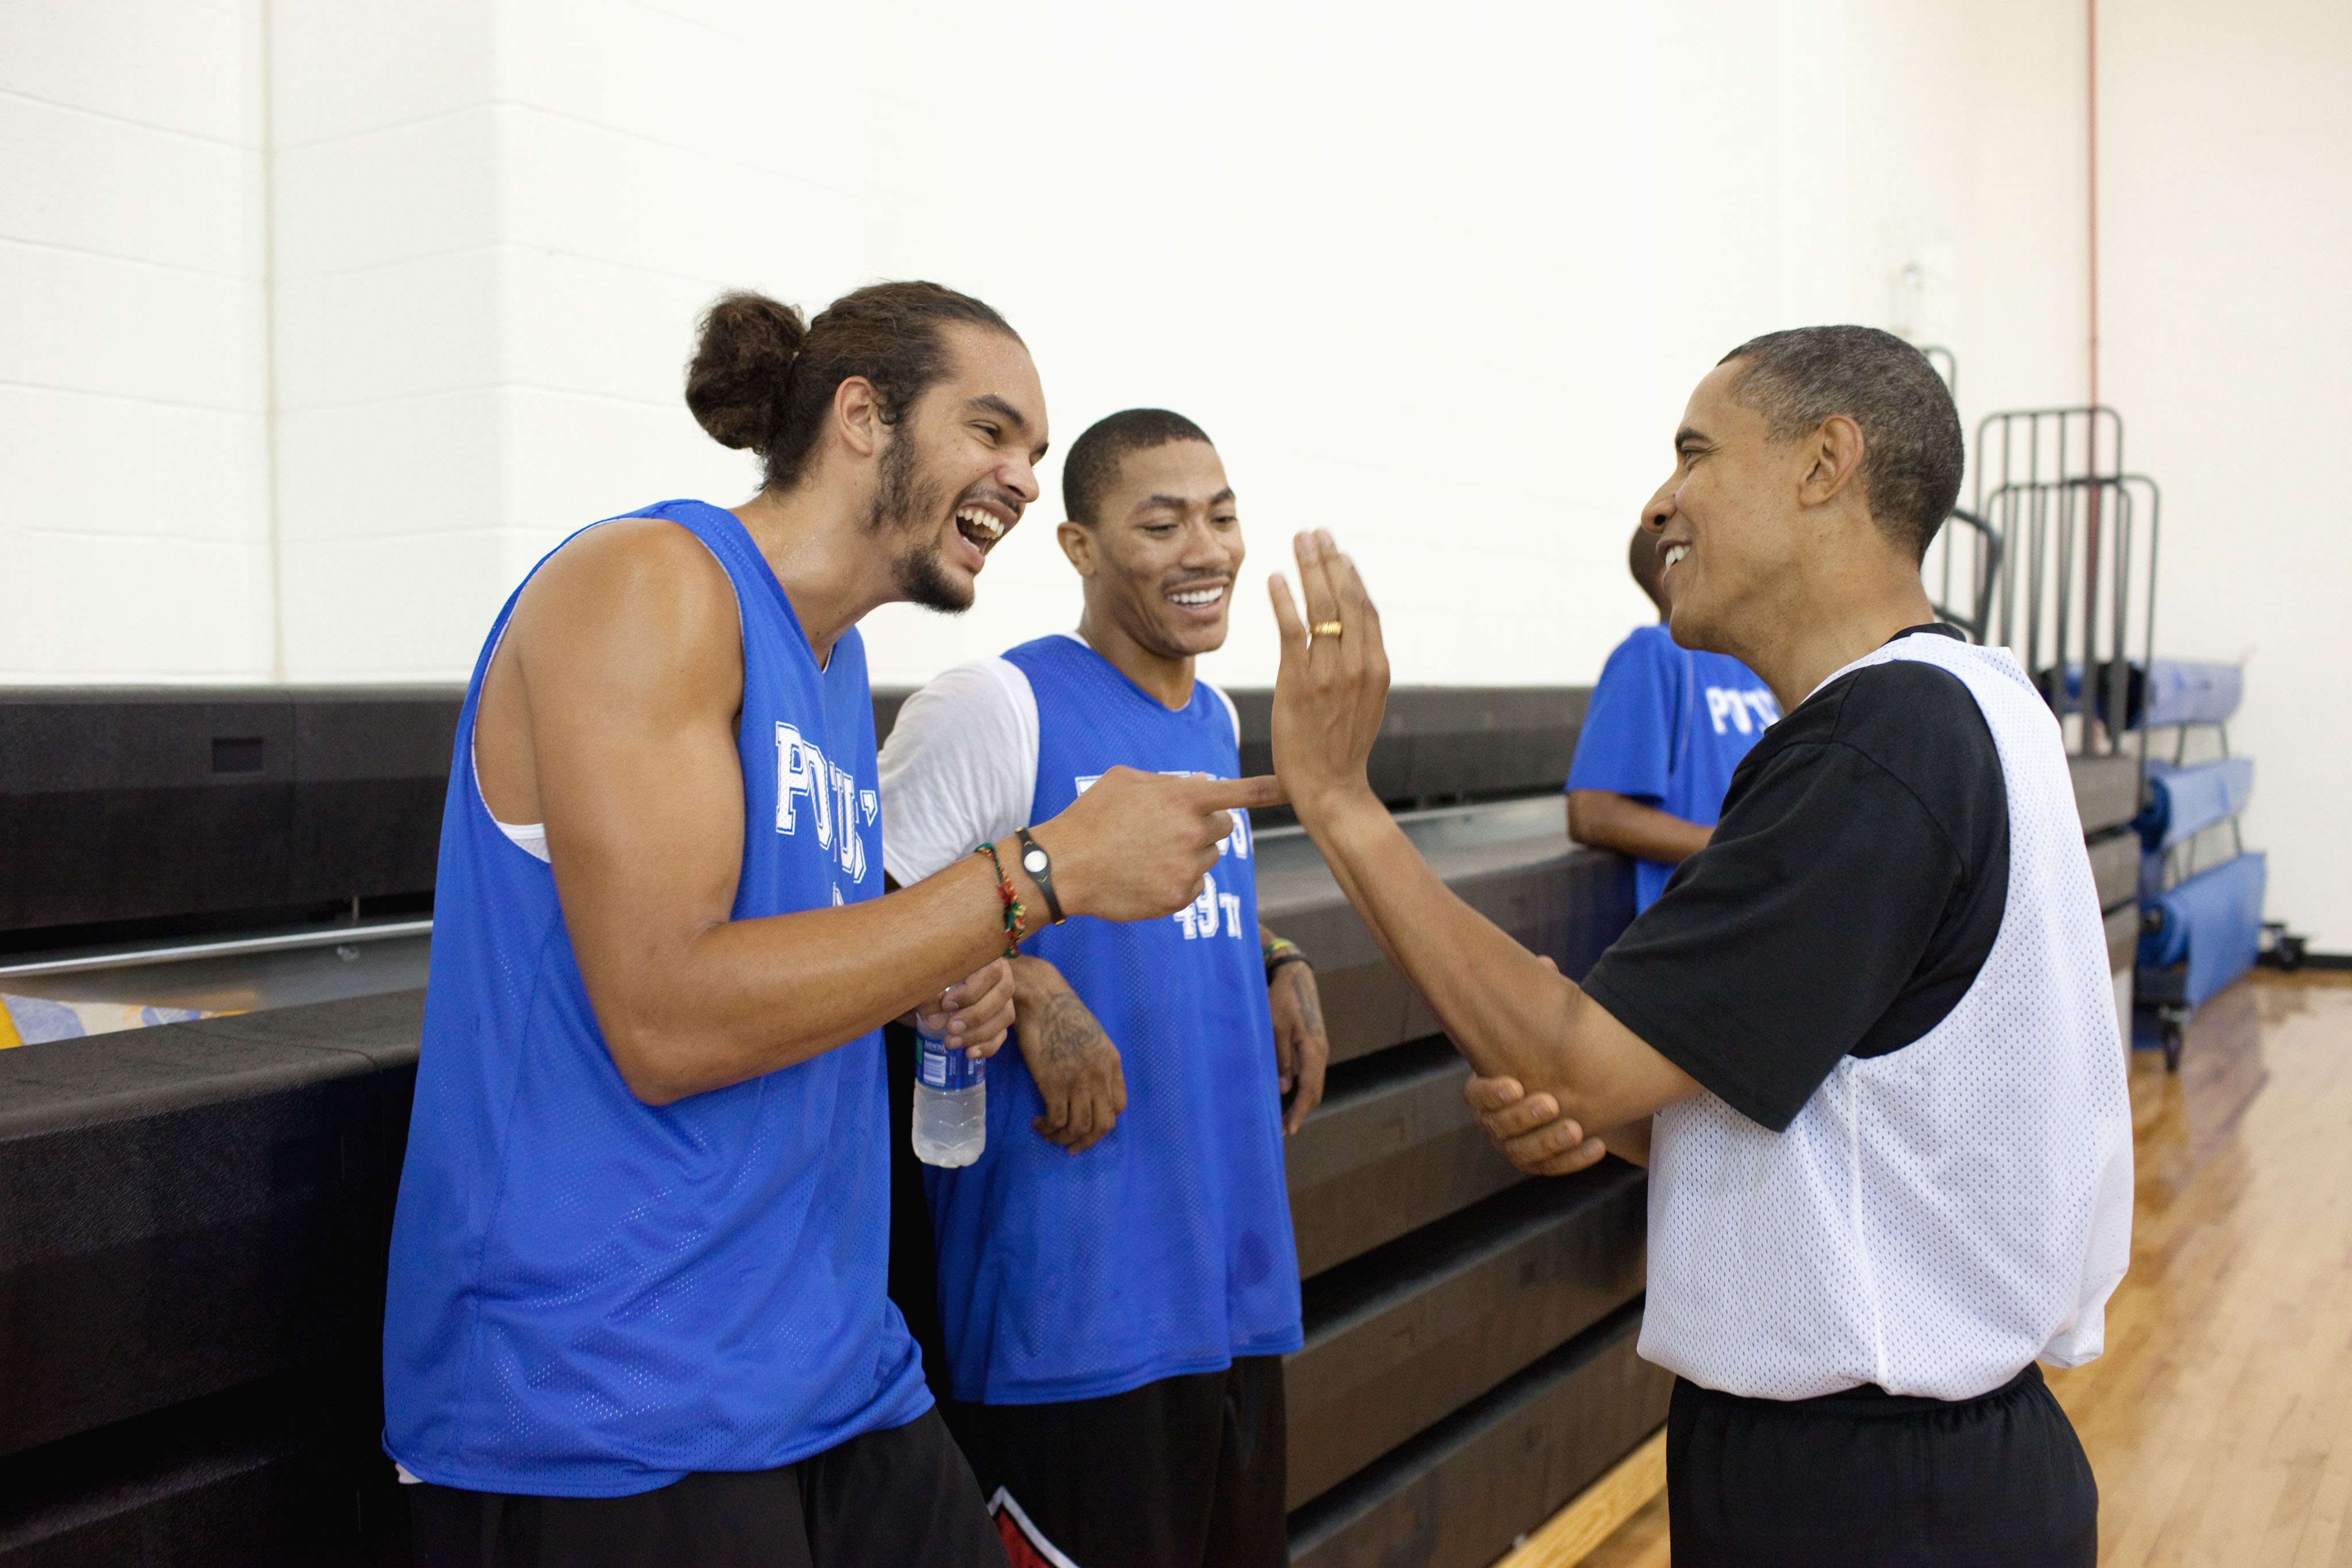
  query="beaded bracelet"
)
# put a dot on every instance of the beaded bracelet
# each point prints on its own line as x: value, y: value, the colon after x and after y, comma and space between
x: 1015, y: 912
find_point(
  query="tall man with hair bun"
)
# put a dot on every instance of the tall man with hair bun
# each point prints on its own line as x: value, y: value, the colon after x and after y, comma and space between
x: 636, y: 1311
x: 1865, y: 1040
x: 1116, y: 1278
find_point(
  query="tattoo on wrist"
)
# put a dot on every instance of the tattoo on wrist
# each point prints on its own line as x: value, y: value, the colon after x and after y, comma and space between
x: 1310, y: 1006
x: 1067, y: 1029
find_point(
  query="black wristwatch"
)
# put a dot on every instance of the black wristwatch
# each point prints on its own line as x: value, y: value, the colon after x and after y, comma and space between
x: 1040, y: 867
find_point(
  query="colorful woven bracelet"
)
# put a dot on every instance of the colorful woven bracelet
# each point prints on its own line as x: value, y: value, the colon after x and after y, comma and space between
x: 1015, y: 912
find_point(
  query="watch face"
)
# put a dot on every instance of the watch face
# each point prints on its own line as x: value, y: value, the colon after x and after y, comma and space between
x: 1034, y: 860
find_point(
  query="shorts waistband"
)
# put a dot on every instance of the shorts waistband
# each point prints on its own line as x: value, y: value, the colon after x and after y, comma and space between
x: 1870, y: 1399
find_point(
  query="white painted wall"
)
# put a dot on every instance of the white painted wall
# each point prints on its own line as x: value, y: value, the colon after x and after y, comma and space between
x: 2226, y: 162
x: 134, y: 516
x: 1437, y: 278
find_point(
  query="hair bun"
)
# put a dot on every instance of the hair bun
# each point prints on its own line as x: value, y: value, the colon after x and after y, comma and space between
x: 742, y: 359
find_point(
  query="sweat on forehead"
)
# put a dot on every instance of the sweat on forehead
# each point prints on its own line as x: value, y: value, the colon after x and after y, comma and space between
x: 1092, y: 468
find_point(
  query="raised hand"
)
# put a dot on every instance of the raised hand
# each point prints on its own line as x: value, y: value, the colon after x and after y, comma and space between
x: 1332, y: 690
x: 1135, y: 845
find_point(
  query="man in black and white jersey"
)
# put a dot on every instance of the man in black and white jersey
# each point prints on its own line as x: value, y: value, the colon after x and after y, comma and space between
x: 1864, y: 1039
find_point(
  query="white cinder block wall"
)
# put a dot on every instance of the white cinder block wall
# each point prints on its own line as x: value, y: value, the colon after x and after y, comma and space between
x: 2226, y: 219
x: 134, y: 510
x: 1439, y: 279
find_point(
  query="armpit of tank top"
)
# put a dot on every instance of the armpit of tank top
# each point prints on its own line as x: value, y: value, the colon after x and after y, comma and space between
x: 530, y: 838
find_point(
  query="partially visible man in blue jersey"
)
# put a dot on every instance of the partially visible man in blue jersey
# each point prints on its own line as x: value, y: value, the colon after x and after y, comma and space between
x: 1117, y: 1280
x: 1664, y: 729
x: 636, y: 1311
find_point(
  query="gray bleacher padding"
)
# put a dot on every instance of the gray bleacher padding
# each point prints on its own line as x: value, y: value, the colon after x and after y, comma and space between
x: 1457, y: 1495
x: 1405, y: 1335
x: 2114, y: 868
x: 2106, y: 791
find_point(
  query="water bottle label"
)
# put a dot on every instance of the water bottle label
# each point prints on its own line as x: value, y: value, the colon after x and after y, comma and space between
x: 943, y: 1069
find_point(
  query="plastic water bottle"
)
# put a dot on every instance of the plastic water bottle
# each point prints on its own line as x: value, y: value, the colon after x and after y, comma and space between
x: 950, y: 1101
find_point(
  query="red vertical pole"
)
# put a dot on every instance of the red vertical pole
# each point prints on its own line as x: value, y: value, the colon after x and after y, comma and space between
x: 2092, y: 495
x: 2090, y: 97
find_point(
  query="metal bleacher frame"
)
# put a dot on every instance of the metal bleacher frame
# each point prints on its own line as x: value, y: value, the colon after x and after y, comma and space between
x: 2057, y: 562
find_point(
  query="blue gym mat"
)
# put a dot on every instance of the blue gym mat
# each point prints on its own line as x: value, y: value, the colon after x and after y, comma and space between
x: 2213, y: 922
x: 2184, y: 801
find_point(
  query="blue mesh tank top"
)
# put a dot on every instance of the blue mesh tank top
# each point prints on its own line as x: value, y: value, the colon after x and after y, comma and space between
x: 1166, y: 1247
x: 590, y: 1296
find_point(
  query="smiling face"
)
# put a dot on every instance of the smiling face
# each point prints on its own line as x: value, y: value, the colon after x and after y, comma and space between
x: 1730, y: 528
x: 1160, y: 561
x: 960, y: 468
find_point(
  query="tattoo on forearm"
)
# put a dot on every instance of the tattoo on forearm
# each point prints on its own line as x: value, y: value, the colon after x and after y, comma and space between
x: 1067, y: 1031
x: 1310, y: 1007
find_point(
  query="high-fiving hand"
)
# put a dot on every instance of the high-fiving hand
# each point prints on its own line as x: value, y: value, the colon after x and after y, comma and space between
x: 1332, y: 690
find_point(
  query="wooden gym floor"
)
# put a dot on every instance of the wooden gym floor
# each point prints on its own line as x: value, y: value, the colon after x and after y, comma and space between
x: 2219, y: 1420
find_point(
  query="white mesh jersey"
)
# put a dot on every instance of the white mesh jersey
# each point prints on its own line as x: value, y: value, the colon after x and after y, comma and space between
x: 1936, y: 1218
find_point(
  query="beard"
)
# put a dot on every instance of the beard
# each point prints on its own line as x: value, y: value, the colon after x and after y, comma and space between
x: 908, y: 509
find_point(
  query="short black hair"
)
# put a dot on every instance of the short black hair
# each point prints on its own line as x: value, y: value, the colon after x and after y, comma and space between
x: 1092, y: 468
x: 1912, y: 452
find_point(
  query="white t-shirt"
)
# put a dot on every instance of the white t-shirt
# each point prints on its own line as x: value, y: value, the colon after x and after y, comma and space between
x: 960, y: 769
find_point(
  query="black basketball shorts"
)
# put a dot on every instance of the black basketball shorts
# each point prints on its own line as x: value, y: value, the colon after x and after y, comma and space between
x: 901, y: 1496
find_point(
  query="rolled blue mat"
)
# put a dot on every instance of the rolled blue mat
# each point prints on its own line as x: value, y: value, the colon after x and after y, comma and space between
x: 2167, y: 691
x: 2214, y: 920
x: 2184, y: 801
x: 2183, y: 691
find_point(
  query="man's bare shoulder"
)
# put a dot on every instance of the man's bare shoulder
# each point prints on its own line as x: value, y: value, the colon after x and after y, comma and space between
x: 637, y: 599
x: 632, y: 556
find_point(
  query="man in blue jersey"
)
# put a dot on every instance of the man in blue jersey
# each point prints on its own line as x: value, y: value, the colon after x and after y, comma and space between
x: 1117, y: 1281
x: 636, y: 1311
x: 1664, y: 729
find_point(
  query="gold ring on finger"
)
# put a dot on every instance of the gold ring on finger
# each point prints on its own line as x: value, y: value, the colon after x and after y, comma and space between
x: 1326, y: 628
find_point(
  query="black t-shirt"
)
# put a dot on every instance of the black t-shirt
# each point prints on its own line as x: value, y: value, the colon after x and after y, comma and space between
x: 1851, y: 892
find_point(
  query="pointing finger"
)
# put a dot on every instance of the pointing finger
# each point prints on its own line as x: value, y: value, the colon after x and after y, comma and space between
x: 1207, y: 795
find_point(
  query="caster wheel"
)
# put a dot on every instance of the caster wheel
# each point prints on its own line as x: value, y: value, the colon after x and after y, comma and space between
x: 2170, y: 1039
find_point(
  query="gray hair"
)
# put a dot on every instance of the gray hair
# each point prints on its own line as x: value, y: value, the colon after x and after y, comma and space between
x: 1912, y: 452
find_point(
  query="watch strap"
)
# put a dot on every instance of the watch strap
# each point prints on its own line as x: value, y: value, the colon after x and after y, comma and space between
x: 1040, y: 867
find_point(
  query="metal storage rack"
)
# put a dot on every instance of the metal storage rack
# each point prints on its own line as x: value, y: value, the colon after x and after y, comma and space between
x: 2056, y: 560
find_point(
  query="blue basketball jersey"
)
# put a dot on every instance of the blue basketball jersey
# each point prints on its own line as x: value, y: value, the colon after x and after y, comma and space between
x: 1166, y: 1247
x: 1667, y: 725
x: 590, y: 1296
